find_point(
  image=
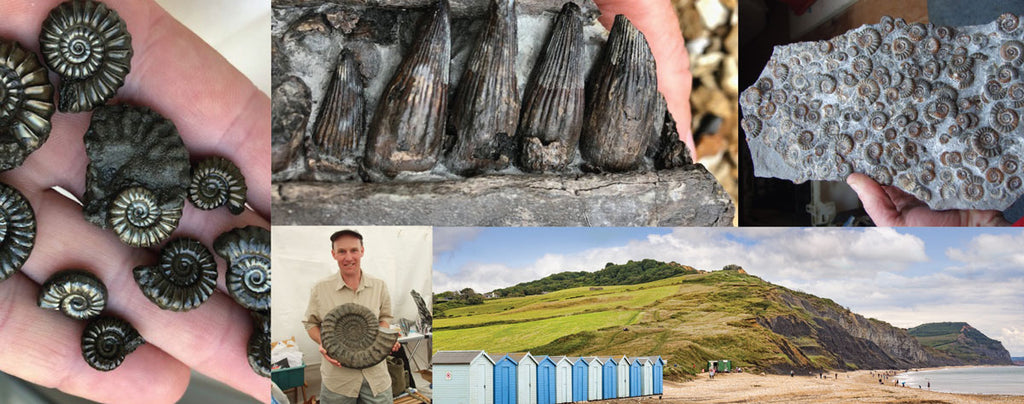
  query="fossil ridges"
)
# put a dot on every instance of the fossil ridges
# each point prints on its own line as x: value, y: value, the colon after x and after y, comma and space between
x: 106, y: 341
x: 351, y: 334
x: 216, y: 182
x: 184, y: 277
x: 937, y: 116
x: 247, y: 252
x: 258, y: 349
x: 485, y: 109
x: 26, y: 104
x: 17, y: 230
x: 336, y: 141
x: 76, y: 293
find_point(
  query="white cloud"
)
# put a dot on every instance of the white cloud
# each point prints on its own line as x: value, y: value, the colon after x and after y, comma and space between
x: 449, y: 238
x: 988, y: 252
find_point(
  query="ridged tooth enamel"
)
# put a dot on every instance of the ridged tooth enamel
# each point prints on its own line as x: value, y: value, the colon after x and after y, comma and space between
x: 552, y: 111
x: 485, y: 111
x: 408, y: 127
x: 622, y: 96
x: 339, y: 128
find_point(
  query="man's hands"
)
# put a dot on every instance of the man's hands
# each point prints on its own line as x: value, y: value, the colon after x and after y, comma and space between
x: 890, y: 206
x: 328, y: 357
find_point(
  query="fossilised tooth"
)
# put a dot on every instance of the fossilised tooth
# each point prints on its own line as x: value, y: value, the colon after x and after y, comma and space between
x: 552, y: 111
x: 408, y: 128
x: 621, y: 97
x: 335, y: 142
x: 485, y: 110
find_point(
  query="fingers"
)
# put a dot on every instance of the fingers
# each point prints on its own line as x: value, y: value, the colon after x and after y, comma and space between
x: 658, y: 21
x: 43, y: 347
x: 875, y: 200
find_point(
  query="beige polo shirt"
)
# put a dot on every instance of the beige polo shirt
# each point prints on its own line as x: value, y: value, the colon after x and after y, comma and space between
x: 332, y: 292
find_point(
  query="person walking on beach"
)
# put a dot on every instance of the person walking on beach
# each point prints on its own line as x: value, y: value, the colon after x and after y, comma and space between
x: 929, y: 385
x: 790, y: 373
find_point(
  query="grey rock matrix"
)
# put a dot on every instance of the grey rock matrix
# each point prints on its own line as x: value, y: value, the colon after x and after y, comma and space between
x: 932, y: 110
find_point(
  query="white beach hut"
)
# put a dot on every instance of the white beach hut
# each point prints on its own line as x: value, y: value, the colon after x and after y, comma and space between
x: 646, y: 376
x: 463, y: 377
x: 563, y: 379
x: 622, y: 371
x: 594, y: 378
x: 527, y: 383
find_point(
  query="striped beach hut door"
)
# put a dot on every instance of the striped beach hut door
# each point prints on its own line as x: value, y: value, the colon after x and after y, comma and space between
x: 634, y: 378
x: 505, y: 381
x: 579, y: 381
x: 546, y: 381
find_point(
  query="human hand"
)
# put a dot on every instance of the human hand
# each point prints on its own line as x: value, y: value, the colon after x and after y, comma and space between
x: 217, y: 112
x: 890, y: 206
x: 395, y: 348
x: 658, y: 21
x: 328, y: 357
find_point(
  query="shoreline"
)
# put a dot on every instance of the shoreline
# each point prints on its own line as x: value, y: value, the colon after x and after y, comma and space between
x: 859, y: 386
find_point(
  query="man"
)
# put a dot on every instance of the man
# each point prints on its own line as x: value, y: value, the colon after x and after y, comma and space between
x: 350, y: 284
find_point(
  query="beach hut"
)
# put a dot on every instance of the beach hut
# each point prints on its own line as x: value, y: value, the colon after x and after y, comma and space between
x: 608, y: 378
x: 646, y: 376
x: 464, y: 377
x: 634, y: 377
x: 594, y: 378
x: 658, y: 374
x: 545, y: 380
x: 526, y: 380
x: 622, y: 376
x: 563, y: 379
x: 580, y: 384
x: 504, y: 379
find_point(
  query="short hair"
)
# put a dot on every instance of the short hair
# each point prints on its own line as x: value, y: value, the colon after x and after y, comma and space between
x: 347, y: 232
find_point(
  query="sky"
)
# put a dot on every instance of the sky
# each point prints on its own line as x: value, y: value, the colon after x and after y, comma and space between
x: 904, y: 276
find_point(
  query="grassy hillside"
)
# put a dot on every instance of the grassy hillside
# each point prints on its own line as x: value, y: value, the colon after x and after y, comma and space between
x: 957, y: 339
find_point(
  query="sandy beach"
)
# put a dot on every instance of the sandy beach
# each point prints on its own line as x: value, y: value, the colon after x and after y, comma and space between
x: 857, y: 386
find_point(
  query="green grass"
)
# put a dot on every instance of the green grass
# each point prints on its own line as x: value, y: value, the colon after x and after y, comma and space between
x: 525, y: 336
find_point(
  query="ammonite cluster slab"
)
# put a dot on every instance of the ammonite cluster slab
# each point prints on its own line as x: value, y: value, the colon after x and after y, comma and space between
x: 932, y: 110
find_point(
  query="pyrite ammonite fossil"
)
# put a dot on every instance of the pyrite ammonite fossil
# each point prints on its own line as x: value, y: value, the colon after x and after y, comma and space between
x: 17, y: 230
x: 932, y: 110
x: 259, y: 343
x: 26, y: 104
x: 351, y: 334
x: 216, y: 182
x: 247, y: 252
x: 106, y: 341
x: 88, y: 45
x: 184, y: 277
x: 138, y: 174
x: 76, y: 293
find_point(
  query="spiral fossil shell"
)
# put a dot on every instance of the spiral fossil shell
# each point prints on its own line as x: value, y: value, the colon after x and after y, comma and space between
x: 139, y: 220
x: 26, y: 104
x: 17, y: 230
x: 89, y: 46
x: 184, y: 277
x: 106, y: 341
x: 258, y: 349
x: 247, y: 251
x: 351, y: 334
x: 216, y: 182
x: 76, y: 293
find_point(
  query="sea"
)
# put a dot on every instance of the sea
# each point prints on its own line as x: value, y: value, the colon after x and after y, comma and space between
x: 972, y: 380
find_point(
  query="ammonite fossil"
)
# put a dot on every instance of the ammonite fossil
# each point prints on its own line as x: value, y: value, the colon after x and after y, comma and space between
x: 216, y: 182
x: 76, y: 293
x: 259, y: 343
x: 247, y: 251
x: 88, y: 45
x: 139, y: 220
x: 184, y: 277
x: 17, y: 230
x: 107, y: 340
x: 138, y: 174
x: 351, y: 334
x: 936, y: 116
x: 26, y: 104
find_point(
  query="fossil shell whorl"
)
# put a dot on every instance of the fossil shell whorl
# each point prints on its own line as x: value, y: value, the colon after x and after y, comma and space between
x: 552, y: 110
x: 17, y: 230
x: 106, y: 341
x: 76, y: 293
x: 184, y: 277
x: 485, y: 109
x: 351, y: 334
x: 621, y: 98
x: 26, y: 104
x: 338, y: 134
x: 134, y: 147
x: 247, y: 251
x: 407, y: 130
x: 139, y: 220
x: 258, y: 351
x: 89, y: 46
x: 216, y: 181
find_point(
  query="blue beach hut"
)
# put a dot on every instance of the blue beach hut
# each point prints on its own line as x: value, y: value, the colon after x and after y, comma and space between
x: 465, y: 377
x: 658, y: 375
x: 608, y: 379
x: 634, y: 377
x: 505, y: 378
x: 545, y: 380
x: 580, y: 382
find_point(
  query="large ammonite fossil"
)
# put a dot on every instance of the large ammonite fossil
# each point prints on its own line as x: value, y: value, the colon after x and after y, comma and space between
x: 88, y: 45
x: 259, y: 343
x: 76, y: 293
x: 216, y: 182
x: 184, y: 277
x: 17, y: 230
x: 107, y: 340
x: 351, y: 334
x: 139, y: 220
x: 247, y: 251
x: 26, y: 104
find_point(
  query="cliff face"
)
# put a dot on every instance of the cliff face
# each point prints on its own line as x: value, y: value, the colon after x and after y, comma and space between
x: 963, y: 342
